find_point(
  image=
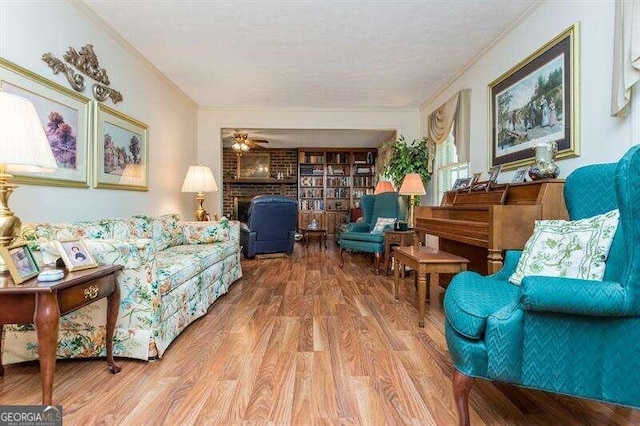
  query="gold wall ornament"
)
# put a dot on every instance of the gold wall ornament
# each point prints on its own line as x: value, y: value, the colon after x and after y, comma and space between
x: 75, y: 80
x: 87, y: 63
x: 101, y: 93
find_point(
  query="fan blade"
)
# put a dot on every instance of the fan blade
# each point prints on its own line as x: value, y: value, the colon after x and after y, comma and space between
x: 254, y: 140
x: 253, y: 145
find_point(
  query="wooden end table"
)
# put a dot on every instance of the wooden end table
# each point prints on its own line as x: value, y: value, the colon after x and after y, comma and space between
x: 425, y: 260
x: 395, y: 238
x: 43, y: 303
x: 321, y: 233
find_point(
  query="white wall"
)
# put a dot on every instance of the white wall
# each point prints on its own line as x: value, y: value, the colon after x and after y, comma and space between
x: 29, y: 29
x: 602, y: 138
x: 210, y: 121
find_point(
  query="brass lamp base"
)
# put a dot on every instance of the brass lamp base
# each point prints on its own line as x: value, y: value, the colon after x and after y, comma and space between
x: 201, y: 213
x: 10, y: 224
x: 411, y: 218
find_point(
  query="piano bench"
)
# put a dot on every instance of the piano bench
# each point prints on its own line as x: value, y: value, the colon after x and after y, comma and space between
x: 425, y: 260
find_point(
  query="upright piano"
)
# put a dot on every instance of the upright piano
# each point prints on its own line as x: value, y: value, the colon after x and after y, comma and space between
x: 480, y: 224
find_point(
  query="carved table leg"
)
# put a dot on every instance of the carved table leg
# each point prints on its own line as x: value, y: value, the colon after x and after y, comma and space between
x: 46, y: 319
x: 341, y: 258
x: 396, y: 278
x: 462, y: 385
x: 113, y: 305
x: 422, y: 294
x: 1, y: 348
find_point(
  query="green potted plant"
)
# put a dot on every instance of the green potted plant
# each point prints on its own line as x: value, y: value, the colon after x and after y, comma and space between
x: 408, y: 158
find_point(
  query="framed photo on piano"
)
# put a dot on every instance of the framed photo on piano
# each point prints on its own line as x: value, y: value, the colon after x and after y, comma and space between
x: 536, y: 101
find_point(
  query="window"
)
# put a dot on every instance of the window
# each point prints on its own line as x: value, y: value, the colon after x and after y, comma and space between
x: 447, y: 167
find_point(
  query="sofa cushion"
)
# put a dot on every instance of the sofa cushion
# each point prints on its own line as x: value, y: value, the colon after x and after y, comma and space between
x: 179, y: 263
x: 38, y: 233
x: 134, y: 228
x: 568, y: 249
x: 471, y: 298
x: 206, y: 232
x: 166, y: 230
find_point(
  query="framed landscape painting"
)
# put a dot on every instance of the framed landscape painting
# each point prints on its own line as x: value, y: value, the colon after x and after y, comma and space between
x: 254, y: 166
x: 536, y: 101
x: 121, y: 151
x: 65, y: 117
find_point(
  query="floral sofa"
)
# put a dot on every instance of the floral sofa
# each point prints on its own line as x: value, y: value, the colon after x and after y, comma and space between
x: 172, y: 272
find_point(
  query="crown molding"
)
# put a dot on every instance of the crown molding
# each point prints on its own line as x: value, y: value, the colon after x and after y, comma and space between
x: 122, y: 42
x: 305, y: 109
x: 483, y: 52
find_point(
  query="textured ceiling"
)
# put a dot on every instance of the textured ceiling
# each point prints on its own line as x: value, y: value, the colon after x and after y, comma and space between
x: 310, y: 54
x: 286, y: 138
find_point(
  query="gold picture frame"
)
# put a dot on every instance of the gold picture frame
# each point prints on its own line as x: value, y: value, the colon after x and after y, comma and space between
x: 20, y: 262
x: 537, y: 101
x: 66, y: 119
x: 254, y: 166
x: 75, y: 255
x: 121, y: 152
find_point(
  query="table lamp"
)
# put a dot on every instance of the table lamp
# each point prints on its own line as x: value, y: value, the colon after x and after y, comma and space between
x: 199, y: 179
x: 412, y: 185
x: 24, y: 148
x: 383, y: 186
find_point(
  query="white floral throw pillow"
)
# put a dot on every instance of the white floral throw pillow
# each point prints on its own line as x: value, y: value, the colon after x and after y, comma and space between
x: 569, y: 249
x: 381, y: 223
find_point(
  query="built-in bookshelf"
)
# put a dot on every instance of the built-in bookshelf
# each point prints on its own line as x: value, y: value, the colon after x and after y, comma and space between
x: 333, y: 181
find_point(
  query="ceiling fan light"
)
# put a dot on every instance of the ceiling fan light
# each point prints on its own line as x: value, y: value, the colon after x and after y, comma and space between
x: 244, y: 147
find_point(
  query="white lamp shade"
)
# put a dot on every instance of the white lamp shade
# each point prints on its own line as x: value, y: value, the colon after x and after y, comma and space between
x: 199, y: 179
x: 24, y: 146
x: 412, y: 185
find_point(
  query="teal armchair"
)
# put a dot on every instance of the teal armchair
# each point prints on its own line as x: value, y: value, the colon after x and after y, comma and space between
x: 359, y: 237
x: 570, y: 336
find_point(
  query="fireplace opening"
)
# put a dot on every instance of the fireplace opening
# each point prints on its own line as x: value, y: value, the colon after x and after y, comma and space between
x: 241, y: 208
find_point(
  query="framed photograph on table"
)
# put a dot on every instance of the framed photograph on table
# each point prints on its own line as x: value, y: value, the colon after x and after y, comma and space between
x: 121, y: 151
x: 75, y: 255
x: 461, y: 183
x: 20, y: 262
x: 65, y: 117
x: 536, y: 101
x: 255, y: 166
x: 493, y: 174
x: 520, y: 175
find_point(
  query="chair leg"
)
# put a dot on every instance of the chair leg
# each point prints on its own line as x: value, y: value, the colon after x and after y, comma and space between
x: 377, y: 264
x: 462, y: 385
x: 341, y: 258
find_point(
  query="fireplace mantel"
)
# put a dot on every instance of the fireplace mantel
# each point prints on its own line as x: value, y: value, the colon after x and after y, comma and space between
x: 290, y: 181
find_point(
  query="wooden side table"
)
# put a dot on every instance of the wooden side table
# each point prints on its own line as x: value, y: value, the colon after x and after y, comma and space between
x: 395, y: 238
x: 43, y: 303
x: 425, y: 260
x: 321, y: 233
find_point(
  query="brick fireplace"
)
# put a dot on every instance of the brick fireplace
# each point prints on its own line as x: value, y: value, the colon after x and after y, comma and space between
x: 236, y: 193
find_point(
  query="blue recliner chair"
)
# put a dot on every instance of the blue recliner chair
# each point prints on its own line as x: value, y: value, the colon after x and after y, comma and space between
x: 271, y: 226
x: 575, y: 337
x: 359, y: 237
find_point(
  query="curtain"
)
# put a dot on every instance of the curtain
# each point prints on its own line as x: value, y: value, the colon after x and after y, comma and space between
x: 462, y: 125
x: 626, y: 55
x: 456, y: 111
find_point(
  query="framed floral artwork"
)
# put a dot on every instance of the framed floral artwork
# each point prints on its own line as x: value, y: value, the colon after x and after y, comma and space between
x: 121, y: 151
x: 65, y: 117
x: 536, y: 101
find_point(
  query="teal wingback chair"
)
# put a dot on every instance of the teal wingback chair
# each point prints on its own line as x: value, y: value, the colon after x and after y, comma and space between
x: 359, y: 236
x: 575, y: 337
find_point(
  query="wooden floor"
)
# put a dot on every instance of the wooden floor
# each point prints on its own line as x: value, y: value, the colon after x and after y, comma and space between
x: 299, y: 341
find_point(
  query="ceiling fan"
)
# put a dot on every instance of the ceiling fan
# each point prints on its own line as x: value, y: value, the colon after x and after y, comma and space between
x: 241, y: 142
